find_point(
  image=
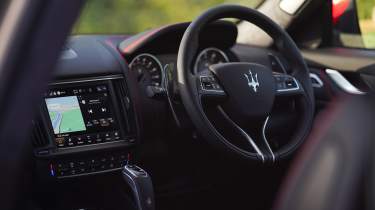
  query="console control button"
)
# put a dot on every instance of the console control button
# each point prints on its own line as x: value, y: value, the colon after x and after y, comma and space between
x: 116, y: 135
x: 70, y: 142
x: 80, y: 140
x: 89, y: 139
x: 60, y: 142
x: 107, y: 137
x: 90, y: 165
x: 98, y: 138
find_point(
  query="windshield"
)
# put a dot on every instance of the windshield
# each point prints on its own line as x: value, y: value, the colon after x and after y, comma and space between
x: 134, y: 16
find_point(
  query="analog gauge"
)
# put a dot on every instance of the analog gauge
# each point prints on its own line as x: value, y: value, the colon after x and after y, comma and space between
x: 148, y: 70
x: 208, y: 57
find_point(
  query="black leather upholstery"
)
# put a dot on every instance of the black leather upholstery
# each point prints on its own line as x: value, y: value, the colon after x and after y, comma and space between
x: 331, y: 170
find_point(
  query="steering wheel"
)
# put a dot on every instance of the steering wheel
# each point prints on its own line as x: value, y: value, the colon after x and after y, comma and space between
x: 245, y: 93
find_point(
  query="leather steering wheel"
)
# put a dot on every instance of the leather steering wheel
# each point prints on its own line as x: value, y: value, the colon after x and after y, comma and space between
x: 245, y: 92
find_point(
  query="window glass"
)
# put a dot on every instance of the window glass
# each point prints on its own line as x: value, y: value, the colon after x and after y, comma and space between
x: 366, y: 14
x: 3, y: 6
x: 354, y: 23
x: 133, y: 16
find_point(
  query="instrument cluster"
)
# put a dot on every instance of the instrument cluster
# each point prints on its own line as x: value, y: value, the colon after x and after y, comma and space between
x: 150, y: 73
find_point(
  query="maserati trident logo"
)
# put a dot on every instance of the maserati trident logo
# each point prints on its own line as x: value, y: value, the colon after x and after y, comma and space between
x: 252, y: 81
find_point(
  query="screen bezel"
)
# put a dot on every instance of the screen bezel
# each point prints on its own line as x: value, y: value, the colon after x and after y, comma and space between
x: 115, y: 104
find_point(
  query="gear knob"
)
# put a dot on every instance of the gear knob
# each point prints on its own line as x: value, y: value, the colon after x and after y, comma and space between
x: 141, y: 185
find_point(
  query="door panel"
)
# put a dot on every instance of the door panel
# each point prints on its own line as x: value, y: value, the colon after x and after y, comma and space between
x: 355, y: 66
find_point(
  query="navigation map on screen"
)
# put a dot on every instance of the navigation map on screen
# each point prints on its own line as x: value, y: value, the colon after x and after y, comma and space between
x: 65, y: 114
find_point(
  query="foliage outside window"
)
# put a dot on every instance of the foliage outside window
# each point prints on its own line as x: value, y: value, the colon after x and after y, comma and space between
x: 354, y: 23
x: 366, y: 15
x: 134, y: 16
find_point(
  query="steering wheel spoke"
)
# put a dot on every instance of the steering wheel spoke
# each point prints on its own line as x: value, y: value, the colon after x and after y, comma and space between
x: 256, y: 137
x: 287, y: 85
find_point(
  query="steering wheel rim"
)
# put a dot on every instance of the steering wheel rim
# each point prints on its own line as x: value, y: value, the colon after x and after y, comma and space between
x: 188, y: 85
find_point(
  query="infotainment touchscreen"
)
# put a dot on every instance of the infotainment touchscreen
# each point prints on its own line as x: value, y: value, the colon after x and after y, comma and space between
x: 65, y: 114
x: 82, y: 115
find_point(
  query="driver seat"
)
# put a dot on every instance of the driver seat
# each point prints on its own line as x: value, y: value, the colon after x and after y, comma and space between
x: 335, y: 168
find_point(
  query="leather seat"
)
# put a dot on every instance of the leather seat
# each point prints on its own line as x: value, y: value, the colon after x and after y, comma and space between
x: 332, y: 169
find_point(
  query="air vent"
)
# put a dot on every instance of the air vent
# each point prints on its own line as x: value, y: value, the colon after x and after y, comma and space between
x: 122, y: 94
x: 38, y: 135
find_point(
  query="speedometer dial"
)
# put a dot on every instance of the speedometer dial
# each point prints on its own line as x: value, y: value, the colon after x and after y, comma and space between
x: 208, y: 57
x: 148, y: 70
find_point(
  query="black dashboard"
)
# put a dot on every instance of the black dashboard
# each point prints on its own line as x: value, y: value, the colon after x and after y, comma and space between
x: 112, y: 93
x: 106, y: 92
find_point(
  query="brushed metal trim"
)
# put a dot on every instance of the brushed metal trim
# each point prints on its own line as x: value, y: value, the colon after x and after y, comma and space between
x: 343, y: 83
x: 243, y: 133
x: 265, y: 138
x: 113, y: 77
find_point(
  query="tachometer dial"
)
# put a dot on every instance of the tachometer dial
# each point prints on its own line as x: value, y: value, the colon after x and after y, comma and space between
x: 208, y: 57
x: 148, y: 70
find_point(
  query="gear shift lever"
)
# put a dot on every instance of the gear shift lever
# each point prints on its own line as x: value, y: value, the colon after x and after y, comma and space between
x: 141, y: 185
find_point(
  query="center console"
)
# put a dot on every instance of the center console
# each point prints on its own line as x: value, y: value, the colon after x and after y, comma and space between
x: 85, y: 126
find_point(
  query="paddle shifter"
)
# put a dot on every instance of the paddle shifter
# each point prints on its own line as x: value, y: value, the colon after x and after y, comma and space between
x: 141, y: 186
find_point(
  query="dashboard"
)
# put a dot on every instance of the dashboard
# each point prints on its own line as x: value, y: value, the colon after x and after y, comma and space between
x: 113, y: 95
x: 102, y: 102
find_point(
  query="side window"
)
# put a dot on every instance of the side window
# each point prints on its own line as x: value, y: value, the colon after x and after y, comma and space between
x: 3, y: 7
x: 366, y: 14
x: 354, y: 23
